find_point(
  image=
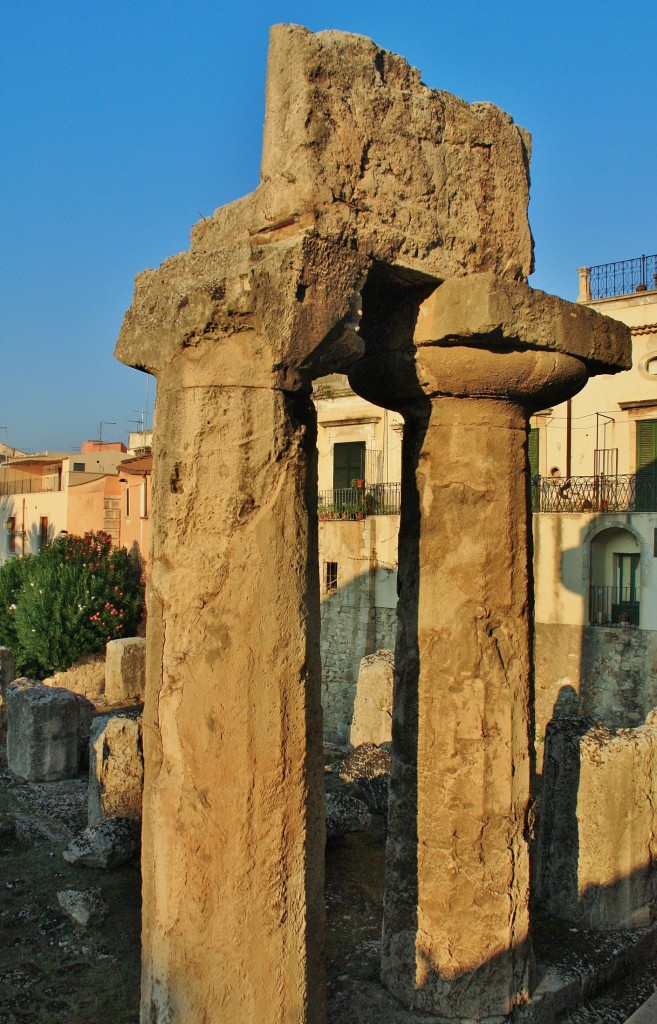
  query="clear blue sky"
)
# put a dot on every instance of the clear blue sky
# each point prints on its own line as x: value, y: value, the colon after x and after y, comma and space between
x: 122, y: 123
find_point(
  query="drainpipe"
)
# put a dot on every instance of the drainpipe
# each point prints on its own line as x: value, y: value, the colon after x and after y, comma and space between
x: 569, y: 430
x: 23, y: 531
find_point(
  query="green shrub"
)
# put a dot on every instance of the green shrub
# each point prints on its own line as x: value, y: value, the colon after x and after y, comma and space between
x: 68, y: 601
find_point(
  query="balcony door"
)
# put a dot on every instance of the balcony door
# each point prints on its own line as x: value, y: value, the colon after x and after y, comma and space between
x: 348, y: 463
x: 625, y: 607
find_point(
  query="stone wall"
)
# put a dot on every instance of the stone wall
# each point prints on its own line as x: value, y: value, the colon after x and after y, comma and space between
x: 596, y: 862
x: 606, y: 673
x: 359, y: 616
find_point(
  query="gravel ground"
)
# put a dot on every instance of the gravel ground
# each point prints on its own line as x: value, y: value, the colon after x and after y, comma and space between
x: 52, y: 970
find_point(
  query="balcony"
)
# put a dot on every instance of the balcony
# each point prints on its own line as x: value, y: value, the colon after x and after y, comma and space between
x: 618, y: 493
x: 354, y: 503
x: 626, y: 277
x: 30, y: 485
x: 613, y: 606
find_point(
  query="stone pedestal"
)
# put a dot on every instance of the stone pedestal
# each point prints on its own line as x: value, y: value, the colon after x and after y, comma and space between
x: 233, y: 833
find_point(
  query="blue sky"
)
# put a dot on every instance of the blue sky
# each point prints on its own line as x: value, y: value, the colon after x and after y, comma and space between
x: 122, y: 123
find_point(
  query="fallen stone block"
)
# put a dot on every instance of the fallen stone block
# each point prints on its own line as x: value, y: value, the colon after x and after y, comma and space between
x: 116, y: 767
x: 108, y: 845
x: 372, y: 721
x: 85, y: 906
x: 125, y: 669
x: 43, y: 732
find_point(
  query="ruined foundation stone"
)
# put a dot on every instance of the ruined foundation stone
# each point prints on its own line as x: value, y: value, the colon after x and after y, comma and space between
x: 116, y: 768
x: 598, y: 823
x: 86, y: 677
x: 372, y: 722
x: 388, y: 238
x: 43, y: 732
x: 125, y: 669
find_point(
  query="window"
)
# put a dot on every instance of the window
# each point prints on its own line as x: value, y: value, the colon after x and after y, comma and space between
x: 78, y: 467
x: 43, y: 532
x: 348, y: 463
x: 143, y: 499
x: 532, y: 451
x: 646, y: 465
x: 331, y: 576
x: 11, y: 540
x: 127, y: 501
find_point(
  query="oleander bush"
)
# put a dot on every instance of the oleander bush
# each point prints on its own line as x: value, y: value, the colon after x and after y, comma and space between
x: 68, y: 601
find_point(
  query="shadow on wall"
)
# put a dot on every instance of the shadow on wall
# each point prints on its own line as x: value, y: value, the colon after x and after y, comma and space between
x: 352, y: 626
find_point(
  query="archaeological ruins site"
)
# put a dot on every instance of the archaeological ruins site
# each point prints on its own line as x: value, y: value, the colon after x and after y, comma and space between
x: 388, y: 239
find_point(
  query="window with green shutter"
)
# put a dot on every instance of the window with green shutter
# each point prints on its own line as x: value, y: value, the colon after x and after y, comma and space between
x: 348, y: 463
x: 646, y: 465
x: 533, y: 452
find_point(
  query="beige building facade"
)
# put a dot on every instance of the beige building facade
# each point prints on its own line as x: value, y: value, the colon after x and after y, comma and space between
x: 44, y: 495
x: 594, y: 496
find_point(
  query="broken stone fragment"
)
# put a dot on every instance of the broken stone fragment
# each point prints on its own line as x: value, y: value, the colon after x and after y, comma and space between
x: 108, y: 845
x: 86, y: 907
x: 116, y: 767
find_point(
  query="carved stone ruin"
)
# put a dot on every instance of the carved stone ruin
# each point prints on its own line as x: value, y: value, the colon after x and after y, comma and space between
x: 388, y: 238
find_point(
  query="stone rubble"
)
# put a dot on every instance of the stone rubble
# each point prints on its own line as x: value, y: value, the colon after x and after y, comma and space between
x: 85, y: 906
x: 110, y: 844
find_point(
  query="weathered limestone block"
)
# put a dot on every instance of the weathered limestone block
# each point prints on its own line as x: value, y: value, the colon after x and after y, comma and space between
x: 86, y: 677
x: 116, y: 768
x: 7, y: 675
x: 598, y: 823
x: 372, y: 721
x: 43, y: 732
x: 125, y: 669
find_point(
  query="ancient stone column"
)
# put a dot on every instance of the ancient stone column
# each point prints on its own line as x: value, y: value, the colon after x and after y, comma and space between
x: 233, y: 819
x: 456, y: 917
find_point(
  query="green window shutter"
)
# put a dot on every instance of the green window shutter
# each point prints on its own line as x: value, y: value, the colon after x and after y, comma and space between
x: 348, y: 463
x: 533, y: 452
x: 646, y: 465
x: 646, y: 443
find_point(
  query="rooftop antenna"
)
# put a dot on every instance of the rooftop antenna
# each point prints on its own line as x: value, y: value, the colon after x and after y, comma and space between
x: 107, y: 423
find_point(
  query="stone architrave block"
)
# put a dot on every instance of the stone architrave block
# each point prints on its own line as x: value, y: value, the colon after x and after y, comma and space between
x: 7, y: 675
x: 372, y: 721
x: 125, y: 669
x: 598, y: 823
x: 43, y: 732
x: 116, y: 768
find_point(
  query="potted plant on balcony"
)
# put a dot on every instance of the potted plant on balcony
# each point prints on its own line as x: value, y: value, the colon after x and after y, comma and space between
x: 357, y: 482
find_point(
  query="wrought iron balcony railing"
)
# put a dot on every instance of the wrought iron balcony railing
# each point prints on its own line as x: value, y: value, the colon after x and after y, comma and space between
x: 350, y: 503
x: 610, y: 606
x: 621, y: 493
x: 623, y: 278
